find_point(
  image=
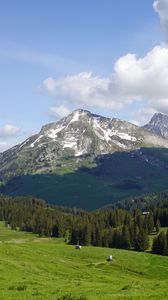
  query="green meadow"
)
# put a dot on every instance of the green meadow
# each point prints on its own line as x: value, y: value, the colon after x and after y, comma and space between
x: 45, y: 268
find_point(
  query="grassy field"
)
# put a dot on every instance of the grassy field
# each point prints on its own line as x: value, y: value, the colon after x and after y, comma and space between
x: 43, y: 268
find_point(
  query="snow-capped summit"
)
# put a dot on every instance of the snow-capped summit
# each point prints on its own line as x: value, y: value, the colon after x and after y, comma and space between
x: 80, y: 133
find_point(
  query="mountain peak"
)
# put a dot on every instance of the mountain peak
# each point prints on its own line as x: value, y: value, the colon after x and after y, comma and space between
x: 158, y: 124
x: 80, y: 133
x: 78, y: 113
x: 83, y: 112
x: 159, y: 115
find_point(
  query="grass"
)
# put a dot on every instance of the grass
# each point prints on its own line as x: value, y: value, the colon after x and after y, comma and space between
x: 44, y: 268
x: 7, y: 235
x: 153, y: 235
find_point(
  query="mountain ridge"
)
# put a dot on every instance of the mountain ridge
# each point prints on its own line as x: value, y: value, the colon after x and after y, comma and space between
x: 80, y: 133
x: 86, y: 155
x: 158, y: 125
x: 101, y: 125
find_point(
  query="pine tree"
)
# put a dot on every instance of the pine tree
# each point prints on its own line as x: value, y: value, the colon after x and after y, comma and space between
x: 160, y: 244
x: 86, y: 235
x: 142, y: 241
x: 98, y: 237
x: 125, y: 238
x: 166, y: 246
x: 150, y: 223
x: 157, y: 226
x: 155, y: 246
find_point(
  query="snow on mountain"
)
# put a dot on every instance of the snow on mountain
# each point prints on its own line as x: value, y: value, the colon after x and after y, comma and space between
x: 83, y: 132
x: 81, y: 129
x: 80, y: 133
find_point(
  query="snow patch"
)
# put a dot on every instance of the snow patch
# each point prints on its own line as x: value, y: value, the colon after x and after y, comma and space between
x: 79, y: 153
x: 105, y: 133
x: 24, y: 143
x: 108, y: 133
x: 52, y: 133
x: 69, y: 145
x: 37, y: 140
x: 75, y: 117
x: 126, y: 136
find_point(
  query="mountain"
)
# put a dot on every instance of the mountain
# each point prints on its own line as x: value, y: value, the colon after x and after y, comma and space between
x: 80, y: 133
x: 158, y: 125
x: 86, y: 160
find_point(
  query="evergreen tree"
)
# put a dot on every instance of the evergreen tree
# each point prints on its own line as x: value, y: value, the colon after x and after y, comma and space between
x: 160, y: 244
x: 125, y: 237
x: 150, y: 223
x: 98, y: 237
x: 142, y: 241
x: 166, y: 243
x: 157, y: 226
x: 86, y: 236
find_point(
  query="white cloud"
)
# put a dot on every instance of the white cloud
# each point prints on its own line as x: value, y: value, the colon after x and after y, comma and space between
x: 4, y: 146
x: 143, y: 78
x: 59, y: 111
x: 143, y: 116
x: 161, y: 7
x: 8, y: 131
x: 82, y: 88
x: 133, y: 79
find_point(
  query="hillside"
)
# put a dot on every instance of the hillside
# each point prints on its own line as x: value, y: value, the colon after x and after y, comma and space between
x: 49, y: 269
x: 98, y: 182
x: 87, y: 161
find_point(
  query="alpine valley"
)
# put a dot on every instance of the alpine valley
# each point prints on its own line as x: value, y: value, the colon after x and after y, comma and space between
x: 88, y: 161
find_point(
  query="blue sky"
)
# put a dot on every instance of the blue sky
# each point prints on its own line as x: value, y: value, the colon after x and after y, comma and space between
x: 59, y: 40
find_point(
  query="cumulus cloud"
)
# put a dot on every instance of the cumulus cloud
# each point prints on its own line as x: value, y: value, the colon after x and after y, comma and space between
x: 161, y: 7
x: 59, y: 111
x: 82, y: 88
x: 133, y: 79
x: 143, y: 78
x: 8, y: 131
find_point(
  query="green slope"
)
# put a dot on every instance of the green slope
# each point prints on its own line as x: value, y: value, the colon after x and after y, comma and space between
x: 109, y: 179
x: 76, y: 189
x: 49, y: 269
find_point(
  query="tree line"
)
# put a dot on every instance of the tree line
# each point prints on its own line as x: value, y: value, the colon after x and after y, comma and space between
x: 114, y: 228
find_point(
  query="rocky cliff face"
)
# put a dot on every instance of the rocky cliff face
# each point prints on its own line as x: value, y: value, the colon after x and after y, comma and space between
x: 158, y: 125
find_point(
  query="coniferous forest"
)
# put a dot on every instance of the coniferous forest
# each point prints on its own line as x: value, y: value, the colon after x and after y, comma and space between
x: 113, y: 227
